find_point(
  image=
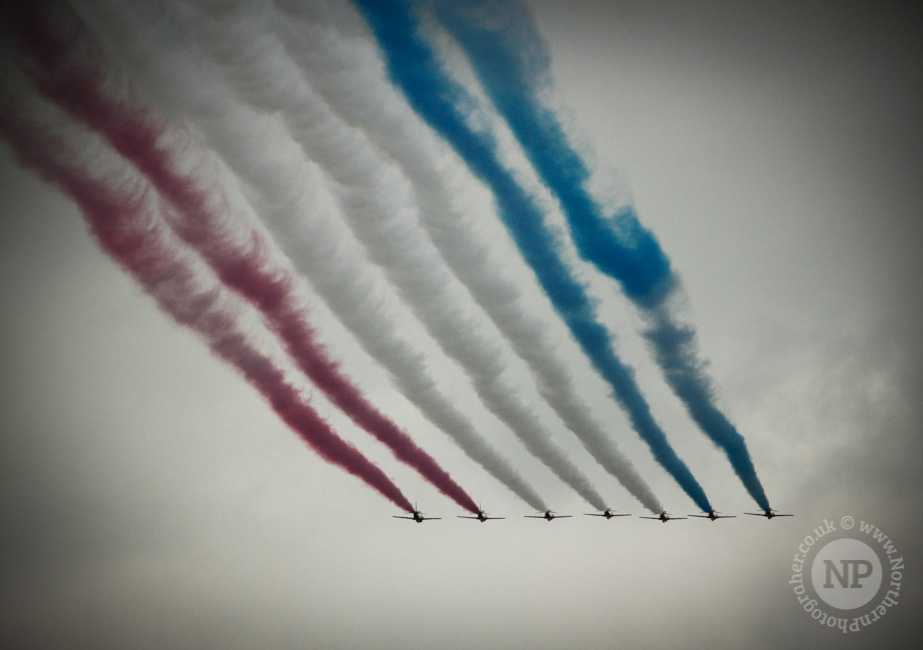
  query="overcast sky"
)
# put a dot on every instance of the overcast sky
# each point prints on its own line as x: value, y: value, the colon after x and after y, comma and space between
x: 150, y: 498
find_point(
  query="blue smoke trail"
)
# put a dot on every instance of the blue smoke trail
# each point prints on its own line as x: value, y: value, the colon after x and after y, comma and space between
x: 512, y: 62
x: 415, y: 69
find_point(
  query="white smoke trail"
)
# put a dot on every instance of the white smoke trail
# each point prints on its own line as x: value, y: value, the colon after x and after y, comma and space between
x: 380, y: 207
x: 287, y: 192
x: 341, y: 72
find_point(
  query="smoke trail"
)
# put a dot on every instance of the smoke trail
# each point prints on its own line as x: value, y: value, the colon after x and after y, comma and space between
x: 447, y: 227
x: 379, y: 209
x: 122, y: 214
x: 511, y: 60
x: 415, y: 69
x: 241, y: 259
x: 334, y: 264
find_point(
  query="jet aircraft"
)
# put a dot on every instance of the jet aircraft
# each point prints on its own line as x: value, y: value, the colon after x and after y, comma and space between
x: 769, y: 513
x: 711, y: 514
x: 417, y: 516
x: 664, y: 516
x: 480, y: 516
x: 608, y: 513
x: 548, y: 516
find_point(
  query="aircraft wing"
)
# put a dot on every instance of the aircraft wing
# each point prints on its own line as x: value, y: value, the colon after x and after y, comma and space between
x: 544, y: 517
x: 657, y: 518
x: 414, y: 519
x: 478, y: 518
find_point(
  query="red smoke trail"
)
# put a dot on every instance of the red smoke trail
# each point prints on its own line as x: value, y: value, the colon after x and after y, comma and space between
x: 249, y: 269
x: 125, y: 225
